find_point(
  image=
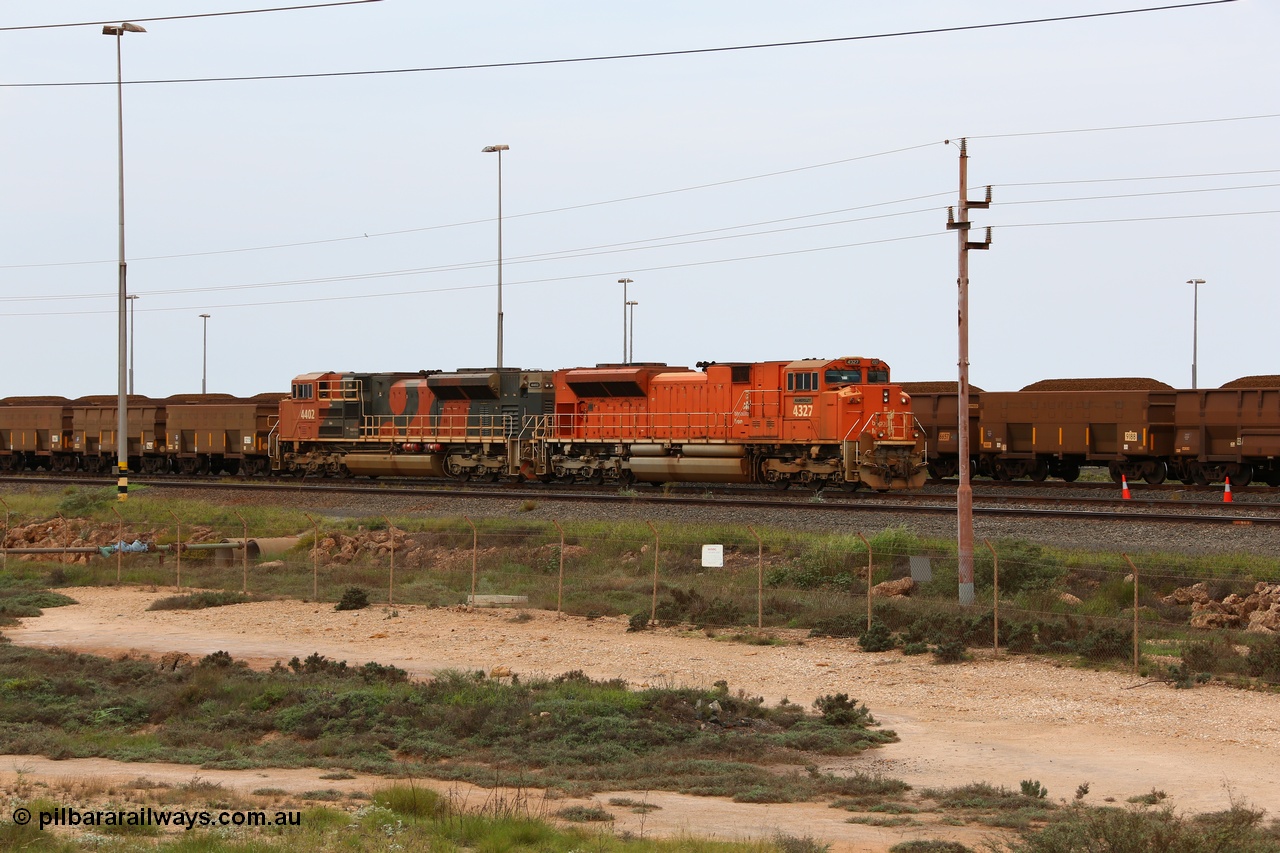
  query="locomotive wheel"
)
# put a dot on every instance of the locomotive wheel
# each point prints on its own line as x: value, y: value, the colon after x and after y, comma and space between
x: 596, y: 477
x: 781, y: 484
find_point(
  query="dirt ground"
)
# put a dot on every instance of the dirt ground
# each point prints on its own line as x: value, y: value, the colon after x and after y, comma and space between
x: 995, y: 720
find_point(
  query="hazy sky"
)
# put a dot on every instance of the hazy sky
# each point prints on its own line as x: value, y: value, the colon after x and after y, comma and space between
x: 775, y: 203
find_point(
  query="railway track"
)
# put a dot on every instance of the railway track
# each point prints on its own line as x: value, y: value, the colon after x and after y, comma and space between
x: 936, y: 500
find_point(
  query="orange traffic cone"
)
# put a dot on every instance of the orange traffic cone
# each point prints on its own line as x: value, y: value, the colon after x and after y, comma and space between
x: 1124, y: 488
x: 1226, y: 495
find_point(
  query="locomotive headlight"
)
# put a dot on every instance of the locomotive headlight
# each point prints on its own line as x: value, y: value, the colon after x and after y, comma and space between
x: 905, y: 399
x: 886, y: 395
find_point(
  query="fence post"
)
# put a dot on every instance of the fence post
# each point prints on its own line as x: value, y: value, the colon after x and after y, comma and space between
x: 391, y: 575
x: 244, y: 553
x: 995, y: 594
x: 119, y: 541
x: 475, y: 540
x: 1135, y: 611
x: 560, y: 585
x: 4, y: 543
x: 315, y: 557
x: 869, y: 572
x: 178, y: 549
x: 759, y: 579
x: 66, y: 539
x: 657, y: 544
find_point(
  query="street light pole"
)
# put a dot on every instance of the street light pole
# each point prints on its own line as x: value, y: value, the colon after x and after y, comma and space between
x: 624, y: 282
x: 204, y: 360
x: 632, y: 356
x: 122, y: 403
x: 498, y: 149
x: 1195, y: 325
x: 133, y: 334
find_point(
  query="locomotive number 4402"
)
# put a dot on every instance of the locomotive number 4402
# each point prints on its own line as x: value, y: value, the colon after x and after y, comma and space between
x: 306, y: 414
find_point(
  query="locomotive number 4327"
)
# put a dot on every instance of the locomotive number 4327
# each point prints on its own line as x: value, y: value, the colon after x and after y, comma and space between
x: 801, y: 411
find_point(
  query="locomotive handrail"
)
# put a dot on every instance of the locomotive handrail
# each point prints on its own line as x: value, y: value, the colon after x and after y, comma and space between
x: 633, y: 426
x: 892, y: 423
x: 348, y: 389
x: 432, y: 428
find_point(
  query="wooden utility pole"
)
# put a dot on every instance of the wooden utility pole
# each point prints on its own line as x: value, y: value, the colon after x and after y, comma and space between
x: 964, y: 495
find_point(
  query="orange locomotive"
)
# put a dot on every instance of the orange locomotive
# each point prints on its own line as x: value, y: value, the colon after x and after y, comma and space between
x: 814, y: 422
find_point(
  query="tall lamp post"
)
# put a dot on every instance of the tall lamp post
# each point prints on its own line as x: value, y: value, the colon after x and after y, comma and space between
x: 624, y: 282
x: 122, y: 403
x: 204, y: 359
x: 498, y: 149
x: 133, y: 334
x: 631, y: 357
x: 1195, y: 325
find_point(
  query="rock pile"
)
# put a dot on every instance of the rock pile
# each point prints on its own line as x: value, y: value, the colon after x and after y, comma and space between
x: 893, y: 589
x: 1258, y: 613
x: 78, y: 533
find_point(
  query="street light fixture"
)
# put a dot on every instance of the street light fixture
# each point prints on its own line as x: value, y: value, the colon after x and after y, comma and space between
x: 632, y: 356
x: 1195, y: 324
x: 122, y: 415
x: 133, y: 334
x: 624, y: 282
x: 498, y: 149
x: 204, y: 361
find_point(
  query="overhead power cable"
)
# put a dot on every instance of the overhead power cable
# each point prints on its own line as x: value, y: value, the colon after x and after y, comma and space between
x: 663, y: 242
x: 644, y: 55
x: 184, y: 17
x: 597, y: 275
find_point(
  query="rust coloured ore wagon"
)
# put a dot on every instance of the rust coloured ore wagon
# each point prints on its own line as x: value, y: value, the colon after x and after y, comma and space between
x: 1135, y: 428
x: 219, y: 434
x: 34, y: 433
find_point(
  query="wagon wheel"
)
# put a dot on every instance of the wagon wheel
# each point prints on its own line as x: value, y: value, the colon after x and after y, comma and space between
x: 1155, y: 473
x: 1069, y: 472
x: 1243, y: 476
x: 1040, y: 472
x: 1199, y: 477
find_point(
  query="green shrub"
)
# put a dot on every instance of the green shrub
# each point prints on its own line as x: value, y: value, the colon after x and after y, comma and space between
x: 915, y: 649
x: 1033, y: 788
x: 355, y: 598
x: 583, y: 814
x: 952, y: 651
x: 1264, y: 659
x: 876, y: 638
x: 80, y: 503
x: 840, y: 710
x: 639, y: 621
x: 201, y: 600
